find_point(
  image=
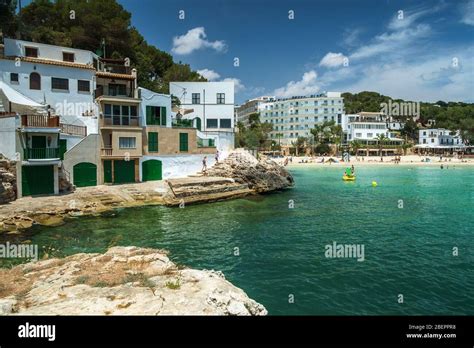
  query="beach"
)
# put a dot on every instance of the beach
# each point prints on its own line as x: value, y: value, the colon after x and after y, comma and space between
x: 412, y: 160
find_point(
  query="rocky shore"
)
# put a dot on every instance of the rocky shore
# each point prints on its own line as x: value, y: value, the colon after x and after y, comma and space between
x: 122, y: 281
x: 237, y: 176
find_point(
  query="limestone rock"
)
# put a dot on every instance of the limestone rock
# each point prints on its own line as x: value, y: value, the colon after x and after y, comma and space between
x: 122, y: 281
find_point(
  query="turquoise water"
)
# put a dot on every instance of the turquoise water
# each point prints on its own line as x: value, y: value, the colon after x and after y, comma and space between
x: 282, y: 250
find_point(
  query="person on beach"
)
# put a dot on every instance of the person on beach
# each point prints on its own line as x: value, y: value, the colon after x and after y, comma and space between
x: 217, y: 156
x: 204, y: 165
x: 352, y: 170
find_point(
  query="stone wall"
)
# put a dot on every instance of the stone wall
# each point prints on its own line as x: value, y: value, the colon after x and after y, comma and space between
x: 7, y: 180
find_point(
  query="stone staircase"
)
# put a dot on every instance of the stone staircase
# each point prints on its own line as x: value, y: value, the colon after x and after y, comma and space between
x: 204, y: 189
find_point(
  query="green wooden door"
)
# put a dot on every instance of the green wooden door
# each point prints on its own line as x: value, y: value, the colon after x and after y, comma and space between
x: 62, y: 148
x: 198, y: 123
x: 183, y: 142
x: 152, y: 170
x: 85, y: 174
x: 152, y: 141
x: 37, y: 180
x: 124, y: 171
x: 107, y: 171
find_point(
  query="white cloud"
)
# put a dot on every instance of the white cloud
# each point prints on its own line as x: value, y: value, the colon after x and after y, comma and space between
x: 193, y: 40
x: 351, y: 37
x: 467, y: 11
x: 238, y: 85
x: 333, y: 60
x: 406, y: 18
x: 211, y: 75
x: 306, y: 86
x: 392, y: 42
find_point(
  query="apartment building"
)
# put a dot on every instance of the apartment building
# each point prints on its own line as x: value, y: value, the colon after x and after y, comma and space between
x: 208, y: 107
x: 439, y: 140
x: 295, y: 117
x: 250, y: 107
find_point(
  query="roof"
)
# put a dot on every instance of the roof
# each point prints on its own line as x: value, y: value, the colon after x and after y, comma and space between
x: 53, y: 62
x: 115, y: 76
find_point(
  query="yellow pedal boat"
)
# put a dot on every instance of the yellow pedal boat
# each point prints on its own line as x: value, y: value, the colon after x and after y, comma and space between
x: 348, y: 178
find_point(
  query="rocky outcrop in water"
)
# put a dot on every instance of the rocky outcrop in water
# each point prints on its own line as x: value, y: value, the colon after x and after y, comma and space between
x: 123, y: 281
x: 7, y: 180
x: 261, y: 176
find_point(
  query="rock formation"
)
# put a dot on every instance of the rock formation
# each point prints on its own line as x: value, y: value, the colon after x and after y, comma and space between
x: 261, y: 176
x: 123, y: 281
x: 7, y: 180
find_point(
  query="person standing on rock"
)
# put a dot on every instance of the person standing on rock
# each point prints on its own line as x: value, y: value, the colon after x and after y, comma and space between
x: 217, y: 156
x: 204, y: 165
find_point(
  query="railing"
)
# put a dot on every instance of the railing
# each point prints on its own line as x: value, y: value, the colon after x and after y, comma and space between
x: 205, y: 142
x: 72, y: 129
x: 117, y: 68
x: 41, y: 153
x: 43, y: 121
x: 182, y: 124
x: 130, y: 121
x: 107, y: 151
x: 113, y: 92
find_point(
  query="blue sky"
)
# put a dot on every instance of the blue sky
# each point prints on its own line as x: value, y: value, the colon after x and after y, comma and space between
x: 423, y: 53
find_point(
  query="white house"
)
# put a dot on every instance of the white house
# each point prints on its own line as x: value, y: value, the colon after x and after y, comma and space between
x: 210, y: 108
x: 439, y: 140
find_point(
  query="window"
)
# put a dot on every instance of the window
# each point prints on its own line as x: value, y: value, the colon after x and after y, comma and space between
x: 68, y: 57
x: 127, y: 142
x: 370, y: 135
x: 13, y: 77
x: 152, y: 141
x: 183, y: 142
x: 226, y: 123
x: 424, y: 141
x: 120, y: 115
x: 83, y: 86
x: 156, y: 115
x: 117, y: 89
x: 61, y: 84
x: 432, y: 140
x: 196, y: 98
x: 31, y: 52
x: 35, y: 81
x: 220, y: 98
x: 211, y: 123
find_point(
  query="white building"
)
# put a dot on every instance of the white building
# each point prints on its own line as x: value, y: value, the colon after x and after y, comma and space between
x: 59, y: 77
x: 295, y: 117
x: 439, y: 140
x: 365, y: 127
x: 251, y: 106
x: 209, y: 107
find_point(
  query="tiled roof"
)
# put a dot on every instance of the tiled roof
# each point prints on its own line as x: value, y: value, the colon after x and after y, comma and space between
x: 53, y: 62
x: 115, y: 76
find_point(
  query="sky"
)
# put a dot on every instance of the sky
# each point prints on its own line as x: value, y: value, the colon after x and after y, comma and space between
x: 416, y: 50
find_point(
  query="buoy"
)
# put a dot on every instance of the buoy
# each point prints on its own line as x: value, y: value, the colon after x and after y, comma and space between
x: 374, y: 183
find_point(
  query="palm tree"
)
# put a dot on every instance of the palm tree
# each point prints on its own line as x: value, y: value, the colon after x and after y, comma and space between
x: 355, y: 146
x: 382, y: 140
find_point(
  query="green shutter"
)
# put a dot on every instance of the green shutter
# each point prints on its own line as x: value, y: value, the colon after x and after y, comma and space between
x: 163, y: 115
x: 62, y: 148
x: 149, y: 115
x: 152, y: 142
x: 37, y: 180
x: 183, y: 142
x: 107, y: 171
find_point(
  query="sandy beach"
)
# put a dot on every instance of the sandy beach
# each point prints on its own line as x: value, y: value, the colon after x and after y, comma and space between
x: 412, y: 160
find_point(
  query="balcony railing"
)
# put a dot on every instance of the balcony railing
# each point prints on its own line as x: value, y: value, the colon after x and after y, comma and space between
x: 129, y: 121
x: 113, y: 92
x: 41, y: 153
x: 72, y: 129
x: 107, y: 151
x: 41, y: 121
x: 205, y: 142
x: 182, y: 124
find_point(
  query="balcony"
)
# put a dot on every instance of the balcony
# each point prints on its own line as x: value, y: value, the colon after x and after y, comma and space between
x: 71, y: 129
x: 40, y: 121
x: 114, y: 91
x: 107, y: 151
x: 127, y: 121
x: 41, y: 153
x: 182, y: 124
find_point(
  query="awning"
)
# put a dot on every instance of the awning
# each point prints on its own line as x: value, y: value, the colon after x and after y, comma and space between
x: 16, y: 97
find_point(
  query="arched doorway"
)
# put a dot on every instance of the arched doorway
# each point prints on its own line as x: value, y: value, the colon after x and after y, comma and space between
x: 85, y: 174
x: 35, y: 81
x: 198, y: 123
x: 152, y: 170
